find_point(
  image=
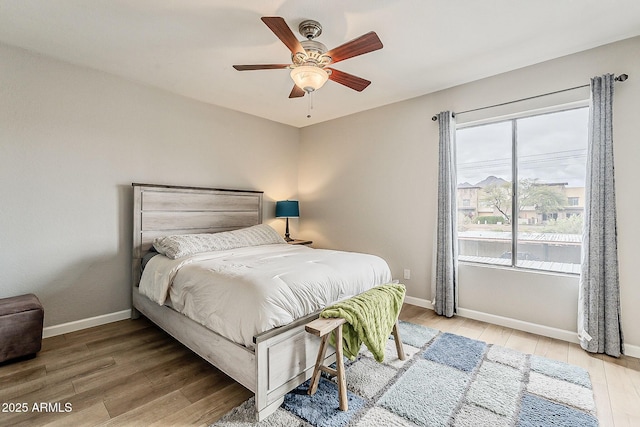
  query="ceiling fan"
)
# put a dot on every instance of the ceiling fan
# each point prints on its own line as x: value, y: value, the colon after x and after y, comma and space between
x: 311, y: 59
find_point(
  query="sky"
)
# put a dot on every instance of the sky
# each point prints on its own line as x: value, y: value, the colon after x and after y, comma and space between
x: 551, y: 147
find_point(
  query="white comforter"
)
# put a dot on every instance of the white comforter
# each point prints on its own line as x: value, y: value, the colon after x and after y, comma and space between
x: 241, y: 292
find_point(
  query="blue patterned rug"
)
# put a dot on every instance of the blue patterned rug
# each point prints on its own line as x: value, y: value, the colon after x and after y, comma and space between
x: 447, y: 380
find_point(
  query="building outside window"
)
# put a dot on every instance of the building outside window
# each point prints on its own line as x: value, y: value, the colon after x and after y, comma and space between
x: 545, y: 156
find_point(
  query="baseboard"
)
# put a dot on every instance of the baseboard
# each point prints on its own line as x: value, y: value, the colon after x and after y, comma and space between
x: 632, y: 350
x: 420, y: 302
x: 545, y: 331
x: 534, y: 328
x: 65, y: 328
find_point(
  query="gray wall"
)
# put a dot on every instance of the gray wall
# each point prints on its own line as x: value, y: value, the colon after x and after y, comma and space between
x: 72, y: 141
x: 369, y: 182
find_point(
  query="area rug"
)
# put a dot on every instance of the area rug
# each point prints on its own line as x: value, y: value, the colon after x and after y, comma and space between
x: 446, y: 380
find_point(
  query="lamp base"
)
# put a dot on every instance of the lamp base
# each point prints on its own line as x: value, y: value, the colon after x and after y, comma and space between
x: 287, y: 237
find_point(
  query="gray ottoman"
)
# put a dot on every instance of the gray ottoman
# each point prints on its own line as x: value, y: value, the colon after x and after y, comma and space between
x: 20, y: 326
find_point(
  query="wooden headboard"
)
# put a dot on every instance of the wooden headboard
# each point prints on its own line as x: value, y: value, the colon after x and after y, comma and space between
x: 163, y: 210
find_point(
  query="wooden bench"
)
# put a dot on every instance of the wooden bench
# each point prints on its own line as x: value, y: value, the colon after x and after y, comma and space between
x: 322, y: 327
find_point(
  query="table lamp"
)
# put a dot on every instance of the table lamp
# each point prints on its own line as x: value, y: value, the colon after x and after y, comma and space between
x: 287, y: 209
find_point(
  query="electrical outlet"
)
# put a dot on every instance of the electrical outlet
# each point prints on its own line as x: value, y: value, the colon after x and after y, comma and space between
x: 407, y: 274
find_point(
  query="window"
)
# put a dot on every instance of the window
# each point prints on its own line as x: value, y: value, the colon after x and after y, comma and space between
x: 545, y: 155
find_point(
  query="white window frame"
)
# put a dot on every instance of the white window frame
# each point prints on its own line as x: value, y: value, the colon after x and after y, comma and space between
x: 461, y: 124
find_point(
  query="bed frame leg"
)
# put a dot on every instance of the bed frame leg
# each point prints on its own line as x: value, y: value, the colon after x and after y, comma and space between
x: 263, y: 413
x: 135, y: 314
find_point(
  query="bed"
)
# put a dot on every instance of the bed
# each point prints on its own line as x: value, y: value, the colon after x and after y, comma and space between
x: 272, y: 361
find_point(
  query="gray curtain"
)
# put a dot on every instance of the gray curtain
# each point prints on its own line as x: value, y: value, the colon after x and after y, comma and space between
x: 599, y: 326
x: 445, y: 299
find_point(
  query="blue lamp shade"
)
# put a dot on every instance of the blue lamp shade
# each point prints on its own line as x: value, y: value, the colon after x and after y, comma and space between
x: 287, y: 209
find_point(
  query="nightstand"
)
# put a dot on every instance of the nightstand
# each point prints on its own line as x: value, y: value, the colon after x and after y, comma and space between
x: 300, y: 242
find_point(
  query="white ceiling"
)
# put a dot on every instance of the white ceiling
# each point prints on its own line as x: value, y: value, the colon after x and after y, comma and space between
x: 188, y: 47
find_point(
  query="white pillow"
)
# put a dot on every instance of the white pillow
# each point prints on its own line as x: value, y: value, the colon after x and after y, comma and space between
x: 189, y: 244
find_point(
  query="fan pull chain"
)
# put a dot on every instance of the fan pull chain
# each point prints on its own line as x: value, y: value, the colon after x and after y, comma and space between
x: 310, y: 105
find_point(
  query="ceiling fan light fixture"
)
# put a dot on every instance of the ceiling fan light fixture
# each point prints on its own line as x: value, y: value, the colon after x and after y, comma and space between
x: 308, y: 77
x: 311, y: 59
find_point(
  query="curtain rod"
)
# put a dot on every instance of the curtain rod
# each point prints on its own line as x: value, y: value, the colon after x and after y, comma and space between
x: 620, y: 78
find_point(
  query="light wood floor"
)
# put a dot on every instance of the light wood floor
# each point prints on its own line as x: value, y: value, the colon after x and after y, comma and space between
x: 131, y: 373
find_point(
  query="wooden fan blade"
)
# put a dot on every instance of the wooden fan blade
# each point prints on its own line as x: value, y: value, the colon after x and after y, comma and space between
x: 349, y: 80
x: 260, y: 67
x: 296, y: 92
x: 283, y: 32
x: 363, y: 44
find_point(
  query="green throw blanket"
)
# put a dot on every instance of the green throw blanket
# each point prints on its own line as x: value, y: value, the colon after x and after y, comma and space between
x: 370, y: 318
